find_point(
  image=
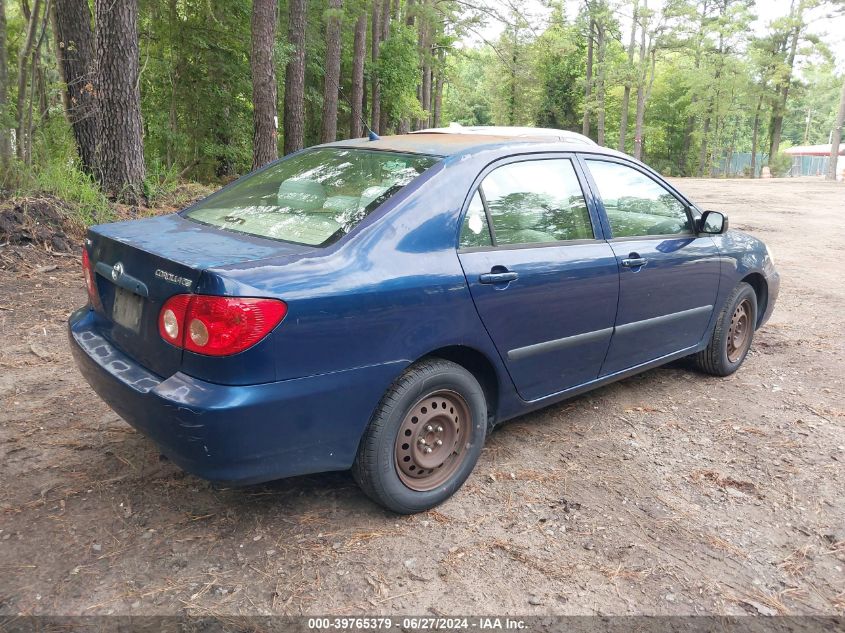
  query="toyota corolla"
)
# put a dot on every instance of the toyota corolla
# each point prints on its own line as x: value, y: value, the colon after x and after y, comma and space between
x: 380, y: 305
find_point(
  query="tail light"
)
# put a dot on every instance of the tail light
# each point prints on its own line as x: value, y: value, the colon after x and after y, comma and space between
x: 90, y: 280
x: 218, y: 326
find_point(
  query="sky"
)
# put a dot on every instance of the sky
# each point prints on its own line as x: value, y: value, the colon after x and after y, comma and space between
x: 830, y: 31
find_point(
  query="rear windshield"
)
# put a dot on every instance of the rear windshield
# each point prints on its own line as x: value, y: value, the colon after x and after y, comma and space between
x: 314, y: 197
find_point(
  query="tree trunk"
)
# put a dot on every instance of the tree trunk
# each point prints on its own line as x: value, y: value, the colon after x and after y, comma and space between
x: 172, y: 118
x: 426, y: 81
x: 588, y: 85
x: 331, y: 82
x: 626, y: 97
x: 37, y: 86
x: 512, y: 97
x: 730, y: 153
x: 359, y: 52
x: 375, y: 88
x: 120, y: 152
x: 265, y: 117
x: 438, y: 95
x: 755, y: 137
x: 641, y: 95
x: 836, y: 137
x: 702, y: 152
x: 602, y: 45
x: 24, y: 58
x: 385, y: 20
x: 75, y: 52
x: 295, y: 78
x: 689, y: 128
x: 780, y: 105
x: 5, y: 140
x: 384, y: 29
x: 642, y: 99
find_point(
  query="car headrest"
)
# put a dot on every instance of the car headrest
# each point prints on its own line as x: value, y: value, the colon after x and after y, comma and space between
x: 371, y: 193
x: 340, y: 204
x: 300, y: 193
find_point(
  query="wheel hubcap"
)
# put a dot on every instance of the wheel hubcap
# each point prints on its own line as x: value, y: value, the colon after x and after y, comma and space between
x: 432, y: 440
x: 739, y: 333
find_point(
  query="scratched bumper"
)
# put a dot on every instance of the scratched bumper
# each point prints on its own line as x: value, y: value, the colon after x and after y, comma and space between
x: 234, y: 434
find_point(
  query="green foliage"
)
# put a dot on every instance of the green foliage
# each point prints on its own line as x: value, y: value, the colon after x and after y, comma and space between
x: 561, y: 64
x: 512, y: 77
x: 66, y: 181
x: 466, y: 100
x: 397, y: 68
x: 780, y: 165
x: 196, y: 89
x: 160, y: 181
x: 714, y: 75
x: 56, y: 171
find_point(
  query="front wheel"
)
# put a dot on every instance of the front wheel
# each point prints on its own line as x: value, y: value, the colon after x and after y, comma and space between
x: 731, y: 338
x: 424, y: 438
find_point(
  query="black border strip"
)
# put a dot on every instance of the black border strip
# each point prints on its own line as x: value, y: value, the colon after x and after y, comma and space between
x: 635, y: 326
x: 561, y: 343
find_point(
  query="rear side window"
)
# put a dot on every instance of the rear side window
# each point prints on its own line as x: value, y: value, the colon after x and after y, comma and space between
x: 635, y: 204
x: 536, y: 201
x: 314, y: 197
x: 475, y: 230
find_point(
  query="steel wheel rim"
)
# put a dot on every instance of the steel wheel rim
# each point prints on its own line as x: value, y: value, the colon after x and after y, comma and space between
x: 432, y: 441
x: 739, y: 333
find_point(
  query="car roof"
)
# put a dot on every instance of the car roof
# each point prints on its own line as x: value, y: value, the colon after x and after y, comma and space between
x: 511, y: 132
x: 445, y: 144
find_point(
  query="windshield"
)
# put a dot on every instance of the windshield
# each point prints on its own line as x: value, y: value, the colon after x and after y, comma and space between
x: 314, y: 197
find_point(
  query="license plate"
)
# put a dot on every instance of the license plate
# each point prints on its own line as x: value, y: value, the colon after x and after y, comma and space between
x: 127, y: 309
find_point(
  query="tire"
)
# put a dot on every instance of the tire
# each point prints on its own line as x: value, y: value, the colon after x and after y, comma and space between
x: 403, y: 476
x: 732, y: 336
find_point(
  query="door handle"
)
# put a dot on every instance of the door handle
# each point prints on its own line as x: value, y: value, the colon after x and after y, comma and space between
x: 498, y: 278
x: 634, y: 261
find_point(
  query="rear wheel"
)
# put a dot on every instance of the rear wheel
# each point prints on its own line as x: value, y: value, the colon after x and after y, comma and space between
x: 424, y: 438
x: 732, y: 336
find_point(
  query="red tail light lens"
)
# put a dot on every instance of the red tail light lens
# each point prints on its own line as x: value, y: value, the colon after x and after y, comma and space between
x: 218, y: 326
x: 171, y: 319
x: 90, y: 280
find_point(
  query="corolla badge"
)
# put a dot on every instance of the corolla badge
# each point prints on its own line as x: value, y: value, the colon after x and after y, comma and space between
x: 116, y: 271
x: 174, y: 279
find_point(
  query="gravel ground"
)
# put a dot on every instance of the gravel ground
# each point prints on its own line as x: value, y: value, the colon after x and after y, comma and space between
x: 668, y: 493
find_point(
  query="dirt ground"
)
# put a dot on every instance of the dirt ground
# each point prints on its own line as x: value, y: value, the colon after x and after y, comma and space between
x: 668, y: 493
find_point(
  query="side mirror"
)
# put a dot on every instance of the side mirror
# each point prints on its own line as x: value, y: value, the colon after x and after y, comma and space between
x: 713, y: 223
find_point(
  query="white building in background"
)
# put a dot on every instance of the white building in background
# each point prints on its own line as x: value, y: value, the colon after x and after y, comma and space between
x: 812, y: 160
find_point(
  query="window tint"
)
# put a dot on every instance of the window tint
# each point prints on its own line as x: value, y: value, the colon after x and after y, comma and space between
x: 475, y: 230
x: 635, y: 204
x: 313, y: 197
x: 537, y: 201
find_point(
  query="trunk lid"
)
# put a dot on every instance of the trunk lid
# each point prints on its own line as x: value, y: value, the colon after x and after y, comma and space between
x: 139, y: 264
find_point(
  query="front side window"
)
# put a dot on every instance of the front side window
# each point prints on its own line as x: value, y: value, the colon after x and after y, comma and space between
x: 635, y: 204
x: 535, y: 202
x: 314, y: 197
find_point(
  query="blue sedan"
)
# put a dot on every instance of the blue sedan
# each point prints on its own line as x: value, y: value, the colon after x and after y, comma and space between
x: 381, y: 305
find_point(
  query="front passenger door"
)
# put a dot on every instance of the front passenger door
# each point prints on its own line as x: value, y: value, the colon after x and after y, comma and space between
x: 544, y: 285
x: 668, y: 276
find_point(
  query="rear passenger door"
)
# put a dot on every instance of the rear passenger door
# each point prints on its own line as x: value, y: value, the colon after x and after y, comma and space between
x: 544, y: 281
x: 668, y: 275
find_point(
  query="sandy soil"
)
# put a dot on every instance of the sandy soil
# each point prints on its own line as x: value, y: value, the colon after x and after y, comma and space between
x: 668, y: 493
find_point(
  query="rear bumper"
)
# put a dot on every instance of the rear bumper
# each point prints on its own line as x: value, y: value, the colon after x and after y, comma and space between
x: 235, y: 434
